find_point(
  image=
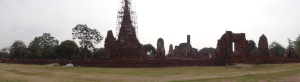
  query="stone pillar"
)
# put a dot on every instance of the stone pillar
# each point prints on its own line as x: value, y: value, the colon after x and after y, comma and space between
x: 188, y: 39
x: 188, y: 47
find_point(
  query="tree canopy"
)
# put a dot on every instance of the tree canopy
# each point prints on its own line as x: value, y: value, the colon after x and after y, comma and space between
x: 297, y: 45
x: 149, y: 49
x: 252, y: 46
x: 206, y: 50
x: 5, y: 52
x: 34, y: 49
x: 68, y: 49
x: 47, y: 43
x: 277, y: 48
x: 17, y: 50
x: 97, y: 52
x: 87, y: 36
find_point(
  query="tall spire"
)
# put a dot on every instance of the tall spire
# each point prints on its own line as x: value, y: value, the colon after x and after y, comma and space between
x: 126, y: 16
x: 127, y: 46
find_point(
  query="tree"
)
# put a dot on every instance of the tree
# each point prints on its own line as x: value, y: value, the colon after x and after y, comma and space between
x: 34, y: 50
x: 252, y: 46
x: 17, y: 50
x: 297, y: 45
x: 1, y: 55
x: 68, y: 49
x: 5, y: 52
x: 88, y: 54
x: 277, y: 48
x: 206, y: 50
x: 149, y: 49
x: 47, y: 43
x: 97, y: 52
x: 87, y: 36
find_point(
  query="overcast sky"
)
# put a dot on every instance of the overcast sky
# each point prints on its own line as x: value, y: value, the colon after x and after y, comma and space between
x: 205, y: 20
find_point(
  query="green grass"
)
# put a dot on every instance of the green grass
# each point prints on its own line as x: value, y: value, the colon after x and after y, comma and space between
x: 238, y: 73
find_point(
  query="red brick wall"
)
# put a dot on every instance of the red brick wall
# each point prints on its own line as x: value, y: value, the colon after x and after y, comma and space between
x: 159, y: 63
x: 122, y: 63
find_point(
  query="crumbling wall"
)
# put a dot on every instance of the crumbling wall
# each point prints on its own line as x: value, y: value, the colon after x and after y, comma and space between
x: 224, y: 50
x: 122, y: 63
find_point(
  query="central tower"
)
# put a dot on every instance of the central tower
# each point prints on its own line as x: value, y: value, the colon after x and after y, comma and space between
x: 127, y: 47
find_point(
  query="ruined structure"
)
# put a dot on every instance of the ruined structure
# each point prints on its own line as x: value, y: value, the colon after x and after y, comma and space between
x: 127, y: 51
x: 224, y: 50
x: 263, y: 49
x: 127, y: 47
x: 290, y: 53
x: 171, y: 52
x: 160, y: 52
x: 110, y: 41
x: 188, y: 47
x: 185, y: 50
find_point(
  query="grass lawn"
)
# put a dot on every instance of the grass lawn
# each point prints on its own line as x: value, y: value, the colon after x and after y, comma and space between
x: 232, y: 73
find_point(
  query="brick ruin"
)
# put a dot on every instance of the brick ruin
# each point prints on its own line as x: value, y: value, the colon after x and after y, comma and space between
x: 110, y: 41
x: 171, y: 52
x: 127, y: 51
x: 184, y: 51
x: 224, y: 50
x: 160, y: 52
x: 263, y: 49
x: 290, y: 53
x: 224, y: 55
x: 127, y: 47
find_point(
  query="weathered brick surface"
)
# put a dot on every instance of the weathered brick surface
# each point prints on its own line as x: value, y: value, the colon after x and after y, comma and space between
x: 224, y: 48
x: 127, y: 47
x: 290, y: 53
x: 263, y: 49
x: 171, y: 52
x: 110, y: 41
x: 160, y: 52
x: 122, y: 63
x: 160, y: 63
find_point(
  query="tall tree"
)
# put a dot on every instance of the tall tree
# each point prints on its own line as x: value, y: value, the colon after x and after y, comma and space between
x: 149, y: 49
x: 277, y: 48
x: 88, y: 54
x: 68, y: 49
x: 97, y: 52
x: 252, y: 46
x: 47, y: 43
x: 297, y: 45
x: 17, y: 50
x: 5, y: 52
x: 34, y: 50
x: 87, y: 36
x: 205, y: 50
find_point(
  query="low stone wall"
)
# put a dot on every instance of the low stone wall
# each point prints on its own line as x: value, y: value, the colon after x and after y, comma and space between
x: 159, y: 63
x: 270, y: 60
x: 122, y: 63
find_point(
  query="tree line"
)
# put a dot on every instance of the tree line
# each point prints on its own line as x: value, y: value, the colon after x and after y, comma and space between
x: 47, y: 47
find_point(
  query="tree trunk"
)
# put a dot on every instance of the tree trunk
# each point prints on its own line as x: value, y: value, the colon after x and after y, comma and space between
x: 85, y: 52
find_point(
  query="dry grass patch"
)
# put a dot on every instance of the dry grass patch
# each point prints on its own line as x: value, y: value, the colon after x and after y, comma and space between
x: 232, y: 73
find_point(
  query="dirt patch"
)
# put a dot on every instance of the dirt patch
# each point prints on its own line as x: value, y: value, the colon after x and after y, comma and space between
x: 244, y: 65
x: 295, y: 78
